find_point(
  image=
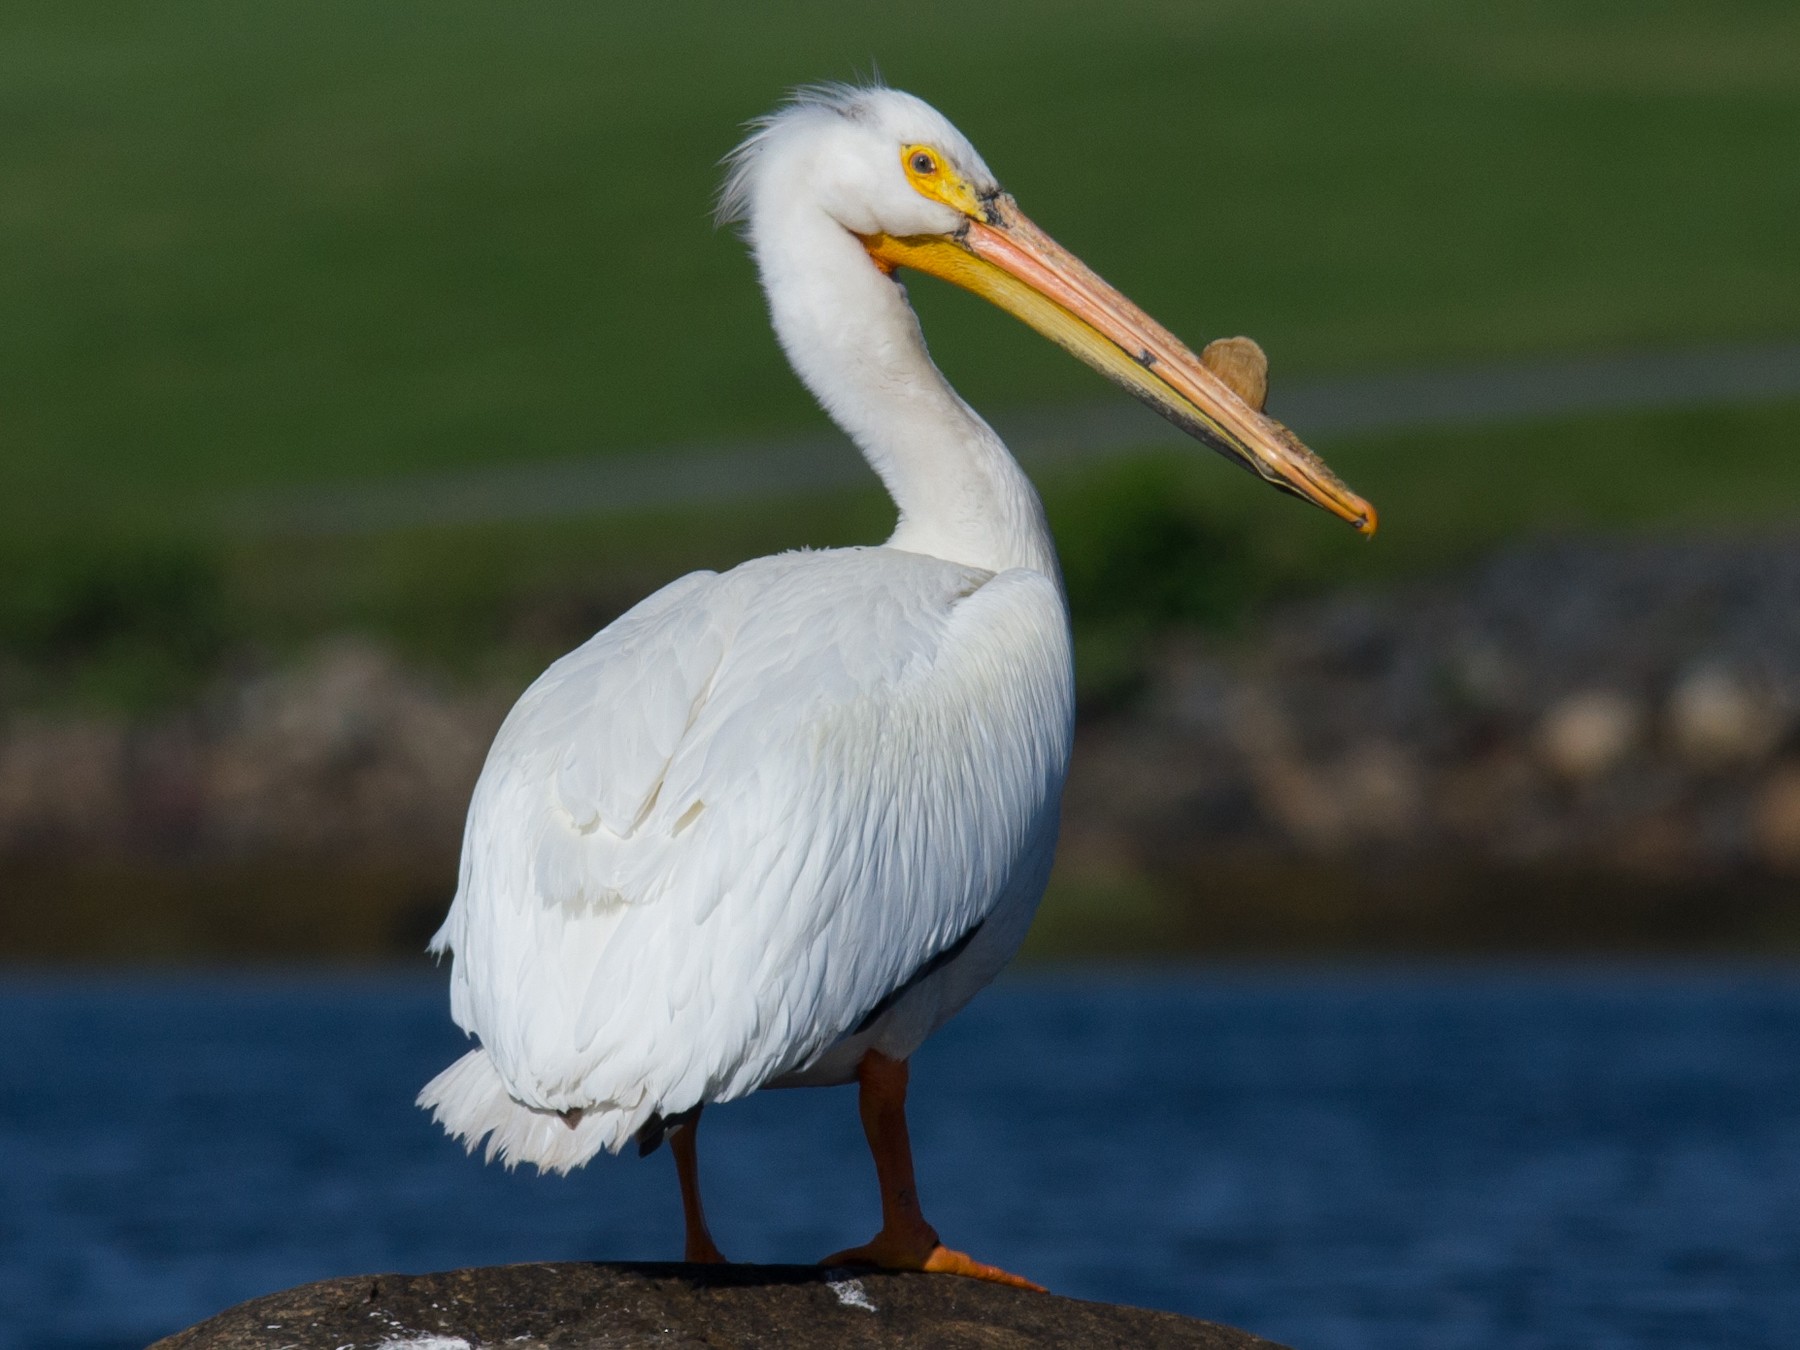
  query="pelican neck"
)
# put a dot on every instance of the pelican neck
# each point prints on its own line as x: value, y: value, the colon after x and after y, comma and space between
x: 853, y: 339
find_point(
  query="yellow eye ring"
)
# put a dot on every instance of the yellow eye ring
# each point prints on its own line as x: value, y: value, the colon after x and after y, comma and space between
x: 933, y: 177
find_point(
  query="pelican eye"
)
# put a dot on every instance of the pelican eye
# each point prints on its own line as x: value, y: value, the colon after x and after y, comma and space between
x: 935, y: 177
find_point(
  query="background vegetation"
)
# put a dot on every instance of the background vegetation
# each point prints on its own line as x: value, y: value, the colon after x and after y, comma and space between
x: 247, y: 251
x: 255, y: 245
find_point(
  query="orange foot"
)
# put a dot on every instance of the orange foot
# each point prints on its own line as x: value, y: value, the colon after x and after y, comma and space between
x: 890, y: 1251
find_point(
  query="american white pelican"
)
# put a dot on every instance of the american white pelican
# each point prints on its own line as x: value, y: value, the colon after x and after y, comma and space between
x: 775, y: 826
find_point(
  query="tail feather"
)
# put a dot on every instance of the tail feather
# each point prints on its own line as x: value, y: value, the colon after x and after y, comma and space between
x: 470, y: 1100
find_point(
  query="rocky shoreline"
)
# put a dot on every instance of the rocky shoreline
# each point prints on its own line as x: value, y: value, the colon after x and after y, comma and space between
x: 1625, y: 713
x: 1625, y: 709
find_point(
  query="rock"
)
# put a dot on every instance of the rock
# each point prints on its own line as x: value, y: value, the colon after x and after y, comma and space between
x: 62, y: 783
x: 1777, y: 820
x: 667, y: 1305
x: 344, y: 754
x: 1379, y: 792
x: 1586, y: 735
x: 1717, y: 718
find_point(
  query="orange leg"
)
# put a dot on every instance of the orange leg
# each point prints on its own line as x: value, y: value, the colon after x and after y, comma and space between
x: 700, y: 1246
x: 906, y: 1241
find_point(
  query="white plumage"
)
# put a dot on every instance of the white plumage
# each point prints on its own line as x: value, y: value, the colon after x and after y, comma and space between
x: 774, y: 826
x: 711, y: 840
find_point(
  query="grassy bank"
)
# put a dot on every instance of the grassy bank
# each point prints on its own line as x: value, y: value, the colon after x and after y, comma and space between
x: 250, y: 245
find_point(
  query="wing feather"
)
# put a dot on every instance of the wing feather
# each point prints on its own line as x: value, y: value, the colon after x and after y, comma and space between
x: 710, y: 840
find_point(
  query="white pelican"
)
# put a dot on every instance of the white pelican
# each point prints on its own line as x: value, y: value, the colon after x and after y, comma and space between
x: 775, y: 826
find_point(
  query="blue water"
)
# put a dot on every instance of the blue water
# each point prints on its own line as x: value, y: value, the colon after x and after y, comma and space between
x: 1444, y: 1159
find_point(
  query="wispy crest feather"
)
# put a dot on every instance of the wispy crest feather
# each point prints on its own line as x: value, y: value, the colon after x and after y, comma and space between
x: 840, y: 97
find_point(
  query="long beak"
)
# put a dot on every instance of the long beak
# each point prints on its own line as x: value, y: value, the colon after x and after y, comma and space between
x: 1012, y: 263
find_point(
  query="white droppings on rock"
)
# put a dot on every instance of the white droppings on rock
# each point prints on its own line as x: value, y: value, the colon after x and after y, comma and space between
x: 426, y: 1341
x: 851, y: 1294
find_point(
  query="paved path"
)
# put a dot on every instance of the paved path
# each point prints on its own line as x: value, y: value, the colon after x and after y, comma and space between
x: 1045, y: 439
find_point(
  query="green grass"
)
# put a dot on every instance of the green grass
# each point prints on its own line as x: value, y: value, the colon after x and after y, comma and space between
x: 248, y: 246
x: 245, y: 245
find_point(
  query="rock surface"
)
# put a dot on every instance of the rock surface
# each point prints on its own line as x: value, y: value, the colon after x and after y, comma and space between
x: 569, y: 1306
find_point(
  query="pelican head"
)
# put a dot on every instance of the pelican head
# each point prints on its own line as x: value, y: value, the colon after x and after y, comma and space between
x: 892, y: 172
